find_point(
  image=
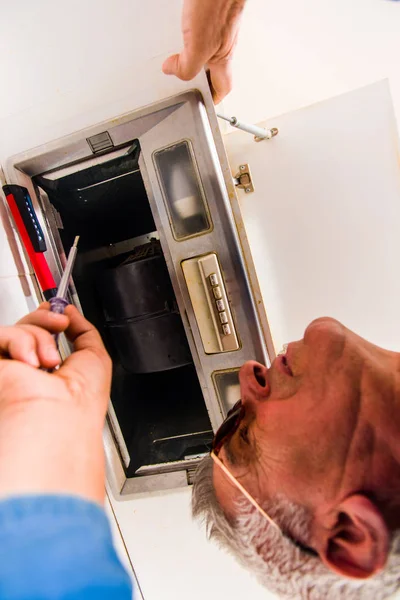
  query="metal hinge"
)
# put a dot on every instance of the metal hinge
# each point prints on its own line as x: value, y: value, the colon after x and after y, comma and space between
x: 243, y: 179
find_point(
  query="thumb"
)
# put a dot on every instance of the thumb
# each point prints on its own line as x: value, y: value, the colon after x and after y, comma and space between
x: 220, y: 79
x: 89, y: 362
x: 183, y: 65
x: 171, y: 65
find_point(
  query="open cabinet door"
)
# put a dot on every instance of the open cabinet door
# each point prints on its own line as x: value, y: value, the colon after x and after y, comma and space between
x: 323, y: 223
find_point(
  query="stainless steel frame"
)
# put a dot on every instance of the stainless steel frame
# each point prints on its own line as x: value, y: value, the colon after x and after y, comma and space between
x: 159, y: 126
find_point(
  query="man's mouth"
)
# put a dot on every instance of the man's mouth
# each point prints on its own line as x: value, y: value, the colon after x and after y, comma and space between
x: 282, y: 361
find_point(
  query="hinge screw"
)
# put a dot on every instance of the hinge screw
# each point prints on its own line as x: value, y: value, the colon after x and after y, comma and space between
x: 247, y: 190
x: 242, y: 167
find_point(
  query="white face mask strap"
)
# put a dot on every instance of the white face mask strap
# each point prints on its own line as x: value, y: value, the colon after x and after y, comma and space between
x: 244, y: 492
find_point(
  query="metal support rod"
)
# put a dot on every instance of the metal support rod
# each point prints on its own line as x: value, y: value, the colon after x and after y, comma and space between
x: 259, y: 132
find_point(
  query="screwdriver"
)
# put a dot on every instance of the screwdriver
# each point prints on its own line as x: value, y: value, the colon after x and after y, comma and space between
x: 60, y: 302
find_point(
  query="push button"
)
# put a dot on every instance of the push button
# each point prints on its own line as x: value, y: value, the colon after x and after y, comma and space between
x: 226, y: 329
x: 214, y: 279
x: 210, y: 303
x: 217, y: 292
x: 220, y: 305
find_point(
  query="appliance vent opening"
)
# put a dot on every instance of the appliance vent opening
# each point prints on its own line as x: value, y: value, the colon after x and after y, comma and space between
x: 124, y: 287
x: 100, y: 142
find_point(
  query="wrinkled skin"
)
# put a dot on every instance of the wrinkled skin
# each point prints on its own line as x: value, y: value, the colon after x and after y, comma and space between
x: 321, y: 425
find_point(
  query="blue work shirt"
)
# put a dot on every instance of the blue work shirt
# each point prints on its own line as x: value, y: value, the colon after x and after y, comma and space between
x: 58, y: 548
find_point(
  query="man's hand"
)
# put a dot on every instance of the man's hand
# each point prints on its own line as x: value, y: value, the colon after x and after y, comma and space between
x: 51, y: 423
x: 210, y: 29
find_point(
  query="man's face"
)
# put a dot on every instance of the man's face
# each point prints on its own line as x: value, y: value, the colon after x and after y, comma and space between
x: 302, y: 431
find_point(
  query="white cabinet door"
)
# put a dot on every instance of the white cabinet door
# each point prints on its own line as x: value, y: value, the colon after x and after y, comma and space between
x: 324, y: 221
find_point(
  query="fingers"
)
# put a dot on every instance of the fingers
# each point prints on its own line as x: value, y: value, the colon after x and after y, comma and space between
x: 32, y: 341
x: 81, y: 333
x: 29, y: 344
x: 171, y: 65
x: 210, y: 30
x: 220, y: 79
x: 185, y: 65
x: 219, y: 74
x: 90, y: 361
x: 42, y: 317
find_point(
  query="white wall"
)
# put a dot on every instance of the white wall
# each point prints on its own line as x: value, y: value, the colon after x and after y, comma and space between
x: 121, y: 549
x: 291, y: 54
x: 173, y: 559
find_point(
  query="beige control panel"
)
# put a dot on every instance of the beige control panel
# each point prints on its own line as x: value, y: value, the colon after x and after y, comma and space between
x: 210, y: 304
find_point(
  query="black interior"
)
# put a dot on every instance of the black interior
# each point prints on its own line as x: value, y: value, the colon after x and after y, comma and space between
x: 162, y: 414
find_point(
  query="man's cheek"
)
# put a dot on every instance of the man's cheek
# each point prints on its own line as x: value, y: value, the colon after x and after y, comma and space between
x: 283, y: 387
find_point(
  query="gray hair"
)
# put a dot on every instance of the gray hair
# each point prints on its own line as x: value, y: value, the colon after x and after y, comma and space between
x: 277, y: 563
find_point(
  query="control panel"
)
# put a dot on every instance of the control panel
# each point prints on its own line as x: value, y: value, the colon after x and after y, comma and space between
x: 210, y: 304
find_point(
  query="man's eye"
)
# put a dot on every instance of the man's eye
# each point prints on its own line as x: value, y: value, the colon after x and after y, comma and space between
x: 244, y: 434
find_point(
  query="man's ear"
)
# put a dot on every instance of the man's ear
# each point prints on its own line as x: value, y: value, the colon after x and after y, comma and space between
x: 357, y: 543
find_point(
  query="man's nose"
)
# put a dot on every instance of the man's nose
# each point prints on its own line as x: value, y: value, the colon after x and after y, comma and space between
x: 254, y: 384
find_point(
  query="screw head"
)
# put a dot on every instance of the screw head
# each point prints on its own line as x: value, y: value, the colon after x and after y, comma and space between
x: 242, y: 167
x: 247, y: 190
